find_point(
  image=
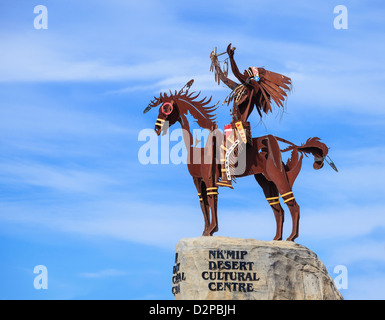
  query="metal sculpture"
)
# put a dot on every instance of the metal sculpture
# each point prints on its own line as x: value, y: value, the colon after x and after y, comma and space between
x: 262, y: 154
x: 257, y: 89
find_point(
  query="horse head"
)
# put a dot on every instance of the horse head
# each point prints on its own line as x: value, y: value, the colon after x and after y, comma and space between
x: 168, y: 114
x: 168, y: 110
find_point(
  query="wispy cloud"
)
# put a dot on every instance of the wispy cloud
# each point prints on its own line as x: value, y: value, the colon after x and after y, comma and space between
x: 202, y: 82
x: 163, y: 225
x: 325, y: 74
x: 54, y: 119
x: 54, y: 178
x: 103, y: 274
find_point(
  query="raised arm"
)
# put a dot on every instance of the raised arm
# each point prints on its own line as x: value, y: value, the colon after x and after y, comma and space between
x: 219, y: 74
x: 241, y: 77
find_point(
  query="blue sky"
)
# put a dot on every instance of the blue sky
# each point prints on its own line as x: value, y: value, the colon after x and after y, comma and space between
x: 73, y: 195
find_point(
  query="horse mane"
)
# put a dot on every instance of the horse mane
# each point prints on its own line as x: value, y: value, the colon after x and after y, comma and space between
x: 189, y: 102
x: 199, y: 109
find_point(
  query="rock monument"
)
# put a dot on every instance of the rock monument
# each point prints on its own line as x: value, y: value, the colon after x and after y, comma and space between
x: 222, y: 268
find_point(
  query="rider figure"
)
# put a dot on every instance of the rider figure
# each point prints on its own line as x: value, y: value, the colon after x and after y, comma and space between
x: 259, y: 88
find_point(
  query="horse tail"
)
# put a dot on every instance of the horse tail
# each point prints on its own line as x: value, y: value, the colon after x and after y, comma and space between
x: 312, y: 146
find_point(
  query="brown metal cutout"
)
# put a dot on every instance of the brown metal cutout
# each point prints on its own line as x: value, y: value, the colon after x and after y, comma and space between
x: 215, y: 163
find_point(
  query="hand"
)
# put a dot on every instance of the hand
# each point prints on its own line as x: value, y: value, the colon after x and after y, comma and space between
x: 230, y: 50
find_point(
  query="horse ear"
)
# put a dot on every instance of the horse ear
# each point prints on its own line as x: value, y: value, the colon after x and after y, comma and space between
x: 186, y: 87
x: 189, y: 84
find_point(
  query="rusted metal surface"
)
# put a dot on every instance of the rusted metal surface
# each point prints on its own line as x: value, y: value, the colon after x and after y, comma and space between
x: 263, y: 156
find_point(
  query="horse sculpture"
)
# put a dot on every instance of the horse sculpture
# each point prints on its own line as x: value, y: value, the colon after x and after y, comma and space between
x: 262, y: 158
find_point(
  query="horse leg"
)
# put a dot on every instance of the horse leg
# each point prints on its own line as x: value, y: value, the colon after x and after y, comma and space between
x: 212, y: 196
x: 203, y: 202
x: 294, y: 211
x: 272, y: 196
x: 275, y: 170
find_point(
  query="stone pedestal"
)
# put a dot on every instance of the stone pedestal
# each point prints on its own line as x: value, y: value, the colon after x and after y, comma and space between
x: 221, y: 268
